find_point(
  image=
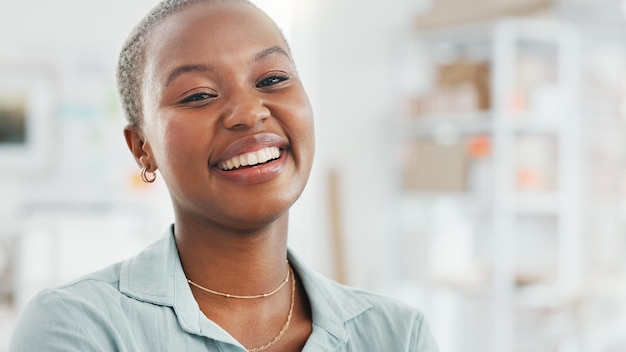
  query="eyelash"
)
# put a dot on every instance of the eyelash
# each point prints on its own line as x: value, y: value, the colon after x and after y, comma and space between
x: 272, y: 80
x: 197, y: 97
x: 264, y: 83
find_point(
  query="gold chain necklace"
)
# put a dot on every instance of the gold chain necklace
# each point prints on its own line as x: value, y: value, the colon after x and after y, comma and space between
x: 228, y: 295
x: 286, y: 326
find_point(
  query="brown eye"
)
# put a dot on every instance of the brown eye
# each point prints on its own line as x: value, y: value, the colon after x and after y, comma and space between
x: 271, y: 81
x: 197, y: 97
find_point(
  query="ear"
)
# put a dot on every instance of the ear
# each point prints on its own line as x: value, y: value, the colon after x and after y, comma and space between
x: 139, y: 147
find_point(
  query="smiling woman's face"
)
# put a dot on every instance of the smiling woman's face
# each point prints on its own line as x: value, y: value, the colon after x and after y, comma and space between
x: 225, y: 117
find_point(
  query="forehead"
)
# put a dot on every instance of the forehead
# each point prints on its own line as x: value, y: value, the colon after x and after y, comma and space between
x: 218, y: 30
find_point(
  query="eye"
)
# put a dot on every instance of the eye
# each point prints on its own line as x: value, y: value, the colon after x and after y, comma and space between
x: 271, y: 80
x: 197, y: 97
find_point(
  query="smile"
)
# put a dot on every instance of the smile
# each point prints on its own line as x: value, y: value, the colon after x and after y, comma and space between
x: 250, y: 159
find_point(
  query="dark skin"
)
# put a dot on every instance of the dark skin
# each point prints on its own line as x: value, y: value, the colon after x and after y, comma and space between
x: 214, y: 90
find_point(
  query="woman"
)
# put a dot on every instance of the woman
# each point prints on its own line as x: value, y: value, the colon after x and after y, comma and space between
x: 214, y: 103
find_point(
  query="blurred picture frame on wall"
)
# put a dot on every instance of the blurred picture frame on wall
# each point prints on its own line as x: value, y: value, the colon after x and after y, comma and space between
x: 26, y: 115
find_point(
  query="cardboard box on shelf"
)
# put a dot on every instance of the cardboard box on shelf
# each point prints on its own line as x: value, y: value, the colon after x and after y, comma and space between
x: 442, y: 101
x: 461, y: 88
x: 433, y: 166
x: 455, y: 12
x: 475, y: 74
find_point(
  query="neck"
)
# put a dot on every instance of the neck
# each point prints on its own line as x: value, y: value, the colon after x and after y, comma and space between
x: 236, y: 262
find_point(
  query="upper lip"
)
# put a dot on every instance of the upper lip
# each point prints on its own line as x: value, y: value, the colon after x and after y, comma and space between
x: 250, y: 144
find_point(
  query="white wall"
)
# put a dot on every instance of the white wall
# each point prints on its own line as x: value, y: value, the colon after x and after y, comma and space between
x: 44, y: 29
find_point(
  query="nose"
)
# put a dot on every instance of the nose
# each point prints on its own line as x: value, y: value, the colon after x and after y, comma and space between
x: 246, y: 110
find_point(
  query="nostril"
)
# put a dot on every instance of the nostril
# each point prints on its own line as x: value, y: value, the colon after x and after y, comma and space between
x: 239, y: 126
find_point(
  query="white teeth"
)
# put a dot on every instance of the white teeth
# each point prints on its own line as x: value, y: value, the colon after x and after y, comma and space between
x: 250, y: 159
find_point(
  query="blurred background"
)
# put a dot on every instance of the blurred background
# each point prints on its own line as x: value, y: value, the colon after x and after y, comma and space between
x: 471, y: 159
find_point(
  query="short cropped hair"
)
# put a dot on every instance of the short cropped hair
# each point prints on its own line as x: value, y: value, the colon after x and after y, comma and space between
x: 131, y: 63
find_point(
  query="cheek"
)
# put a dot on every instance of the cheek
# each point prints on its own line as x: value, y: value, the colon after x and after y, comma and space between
x: 294, y: 112
x: 180, y: 144
x: 306, y: 126
x: 302, y: 133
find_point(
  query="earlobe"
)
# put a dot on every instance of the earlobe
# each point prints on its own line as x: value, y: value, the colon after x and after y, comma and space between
x: 139, y: 146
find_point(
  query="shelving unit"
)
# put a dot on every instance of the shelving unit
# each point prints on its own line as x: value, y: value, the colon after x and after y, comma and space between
x: 503, y: 202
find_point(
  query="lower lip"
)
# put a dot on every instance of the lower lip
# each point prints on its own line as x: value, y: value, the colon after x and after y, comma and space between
x: 256, y: 174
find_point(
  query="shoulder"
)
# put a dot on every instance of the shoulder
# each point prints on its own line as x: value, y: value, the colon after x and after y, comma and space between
x: 377, y: 306
x: 388, y: 322
x: 86, y: 289
x: 367, y: 319
x: 63, y: 317
x: 345, y: 303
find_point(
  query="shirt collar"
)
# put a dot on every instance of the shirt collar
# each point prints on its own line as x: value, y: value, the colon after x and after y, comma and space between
x: 156, y: 276
x: 332, y: 305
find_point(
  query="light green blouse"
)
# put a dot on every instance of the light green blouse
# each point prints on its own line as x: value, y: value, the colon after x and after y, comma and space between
x: 145, y: 304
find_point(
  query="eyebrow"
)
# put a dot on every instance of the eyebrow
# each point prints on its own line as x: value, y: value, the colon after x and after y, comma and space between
x: 208, y: 68
x: 186, y: 69
x: 269, y: 51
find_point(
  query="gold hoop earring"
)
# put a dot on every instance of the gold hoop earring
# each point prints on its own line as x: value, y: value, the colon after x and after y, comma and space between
x: 144, y: 175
